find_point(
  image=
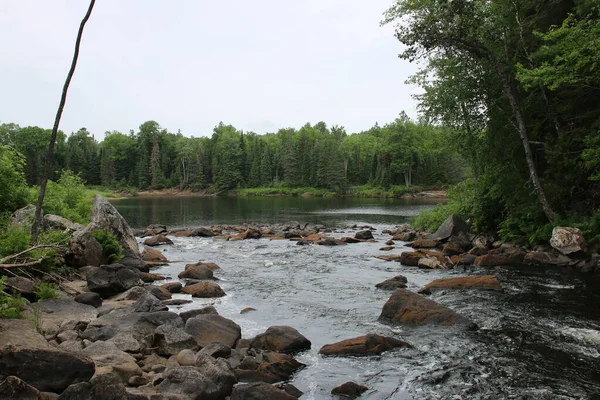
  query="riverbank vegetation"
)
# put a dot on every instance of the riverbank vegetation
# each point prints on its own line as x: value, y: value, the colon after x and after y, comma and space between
x: 519, y: 84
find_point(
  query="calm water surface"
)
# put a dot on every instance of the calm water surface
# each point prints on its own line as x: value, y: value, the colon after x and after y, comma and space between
x: 539, y: 339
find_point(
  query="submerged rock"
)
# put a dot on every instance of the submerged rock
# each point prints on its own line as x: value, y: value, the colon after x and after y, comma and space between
x: 157, y: 240
x: 407, y: 308
x: 204, y: 289
x: 349, y: 390
x: 397, y: 282
x: 362, y: 346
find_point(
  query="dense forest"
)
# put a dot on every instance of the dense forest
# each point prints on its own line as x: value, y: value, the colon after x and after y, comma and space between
x: 400, y: 153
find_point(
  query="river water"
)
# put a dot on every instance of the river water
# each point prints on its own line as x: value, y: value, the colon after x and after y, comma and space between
x: 539, y: 339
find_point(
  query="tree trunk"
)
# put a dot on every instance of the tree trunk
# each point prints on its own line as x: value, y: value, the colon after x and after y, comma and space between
x: 37, y: 222
x: 511, y: 94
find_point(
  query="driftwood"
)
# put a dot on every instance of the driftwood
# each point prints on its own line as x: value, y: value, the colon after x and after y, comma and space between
x: 3, y: 261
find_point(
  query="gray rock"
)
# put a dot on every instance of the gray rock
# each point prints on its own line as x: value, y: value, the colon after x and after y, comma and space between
x: 55, y: 311
x: 218, y: 371
x: 452, y: 226
x: 89, y: 298
x: 364, y: 235
x: 209, y: 328
x: 568, y: 240
x: 259, y: 391
x: 187, y: 383
x: 100, y: 387
x: 105, y: 216
x: 199, y: 311
x: 22, y: 286
x: 201, y: 232
x: 108, y: 280
x: 84, y: 250
x: 157, y: 240
x: 109, y: 359
x: 186, y: 358
x: 149, y: 303
x: 24, y: 216
x: 394, y: 283
x: 170, y: 340
x: 216, y: 350
x: 134, y: 260
x: 46, y: 369
x: 51, y: 221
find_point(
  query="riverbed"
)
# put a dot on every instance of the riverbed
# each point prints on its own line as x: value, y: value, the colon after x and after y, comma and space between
x: 539, y: 339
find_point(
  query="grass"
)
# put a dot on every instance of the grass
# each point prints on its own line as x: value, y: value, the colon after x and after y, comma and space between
x: 393, y: 191
x: 284, y: 191
x: 91, y: 191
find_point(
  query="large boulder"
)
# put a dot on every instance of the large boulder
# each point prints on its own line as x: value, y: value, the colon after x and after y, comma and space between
x: 16, y: 389
x: 452, y: 226
x: 157, y: 240
x: 218, y: 370
x: 105, y: 216
x: 204, y: 290
x: 483, y: 282
x: 134, y: 260
x: 209, y: 328
x: 364, y: 235
x: 109, y: 280
x: 53, y: 312
x: 188, y: 383
x: 410, y: 309
x: 45, y: 369
x: 568, y: 240
x: 546, y: 258
x: 24, y: 216
x: 169, y: 340
x: 21, y: 333
x: 367, y: 345
x: 19, y: 285
x: 100, y: 387
x: 153, y: 256
x: 85, y: 250
x: 259, y: 391
x: 283, y: 339
x: 51, y: 221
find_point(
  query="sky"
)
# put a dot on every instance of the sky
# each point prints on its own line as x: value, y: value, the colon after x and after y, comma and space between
x: 259, y: 65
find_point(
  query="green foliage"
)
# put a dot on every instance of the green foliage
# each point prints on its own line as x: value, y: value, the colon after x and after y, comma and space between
x: 526, y: 224
x: 46, y: 291
x: 111, y: 247
x: 10, y: 306
x: 13, y: 239
x: 12, y: 180
x: 66, y: 198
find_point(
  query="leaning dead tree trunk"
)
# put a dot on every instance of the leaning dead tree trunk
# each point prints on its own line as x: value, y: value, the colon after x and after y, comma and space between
x: 37, y: 222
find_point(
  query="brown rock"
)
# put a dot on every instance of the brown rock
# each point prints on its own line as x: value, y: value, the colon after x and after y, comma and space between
x: 491, y: 260
x: 423, y: 244
x: 209, y: 328
x: 159, y: 292
x: 390, y: 242
x: 387, y: 248
x: 259, y: 391
x: 397, y: 282
x: 431, y: 263
x: 330, y: 242
x: 157, y: 240
x: 196, y: 271
x: 149, y: 277
x: 204, y: 289
x: 484, y: 282
x: 390, y: 257
x: 545, y: 258
x: 407, y: 308
x: 173, y: 287
x: 404, y: 236
x: 362, y: 346
x: 283, y: 339
x: 452, y: 249
x: 349, y: 390
x: 153, y: 256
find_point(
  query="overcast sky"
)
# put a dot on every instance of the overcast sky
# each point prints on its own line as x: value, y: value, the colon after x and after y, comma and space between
x: 259, y: 65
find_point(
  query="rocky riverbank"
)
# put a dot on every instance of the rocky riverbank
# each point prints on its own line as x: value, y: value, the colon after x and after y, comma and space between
x: 112, y: 335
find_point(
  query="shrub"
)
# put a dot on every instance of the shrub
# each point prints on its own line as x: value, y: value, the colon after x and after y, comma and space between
x: 13, y: 239
x: 46, y: 291
x: 10, y: 306
x: 111, y: 247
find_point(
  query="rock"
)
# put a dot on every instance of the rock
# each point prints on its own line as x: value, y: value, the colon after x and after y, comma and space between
x: 170, y: 340
x: 546, y: 258
x: 196, y: 271
x: 159, y: 292
x: 390, y: 257
x: 137, y: 381
x: 17, y: 389
x: 453, y: 225
x: 259, y: 391
x: 147, y: 277
x: 209, y: 328
x: 452, y: 249
x: 568, y: 240
x: 187, y: 383
x: 204, y: 290
x: 404, y: 236
x: 411, y: 258
x: 210, y: 265
x: 89, y: 298
x: 105, y: 216
x: 134, y: 260
x: 275, y: 367
x: 290, y: 389
x: 394, y: 283
x: 155, y: 229
x: 491, y: 260
x: 131, y: 294
x: 431, y: 263
x: 51, y: 221
x: 125, y: 341
x: 172, y: 287
x: 330, y: 242
x: 22, y: 286
x: 364, y: 235
x: 56, y: 311
x: 515, y: 253
x: 390, y: 243
x: 84, y: 250
x: 100, y: 387
x: 71, y: 346
x: 407, y: 308
x: 154, y: 256
x: 483, y: 282
x: 24, y: 216
x: 21, y: 333
x: 45, y: 369
x: 423, y: 244
x: 218, y: 371
x: 109, y: 359
x: 465, y: 259
x: 216, y: 350
x: 247, y: 310
x: 149, y: 303
x: 176, y: 302
x: 157, y: 240
x: 362, y: 346
x: 201, y: 232
x: 186, y: 357
x: 387, y: 248
x: 349, y: 390
x: 108, y: 280
x: 283, y: 339
x: 199, y: 311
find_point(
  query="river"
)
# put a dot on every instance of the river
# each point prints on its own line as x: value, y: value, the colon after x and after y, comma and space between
x: 539, y: 339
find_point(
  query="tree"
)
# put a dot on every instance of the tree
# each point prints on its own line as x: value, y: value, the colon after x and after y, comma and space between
x: 35, y: 228
x: 478, y: 30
